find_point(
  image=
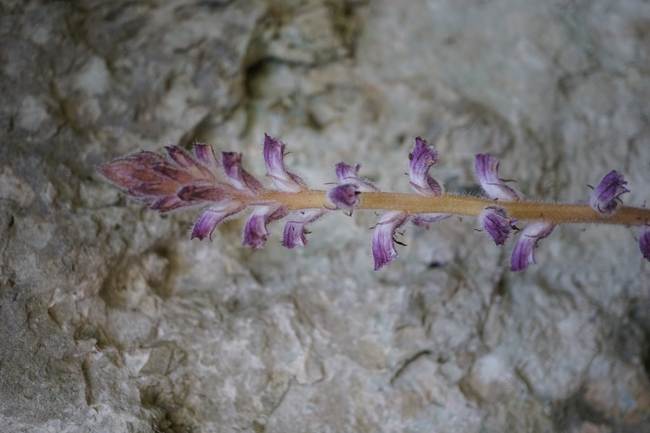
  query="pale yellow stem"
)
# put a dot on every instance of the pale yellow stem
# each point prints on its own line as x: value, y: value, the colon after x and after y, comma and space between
x: 554, y: 213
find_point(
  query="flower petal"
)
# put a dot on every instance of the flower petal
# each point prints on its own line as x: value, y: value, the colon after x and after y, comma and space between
x: 274, y: 159
x: 255, y: 232
x: 187, y: 164
x: 487, y: 171
x: 205, y: 154
x: 238, y: 177
x: 383, y: 248
x: 212, y: 216
x: 344, y: 196
x: 523, y: 254
x: 424, y: 219
x: 604, y: 199
x: 496, y: 223
x: 180, y: 156
x: 349, y: 175
x: 644, y: 242
x: 294, y: 231
x: 422, y: 158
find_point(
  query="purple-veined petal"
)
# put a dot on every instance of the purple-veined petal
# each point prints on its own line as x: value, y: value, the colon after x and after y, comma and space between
x: 424, y: 219
x: 255, y: 232
x: 187, y: 163
x: 604, y: 198
x: 344, y: 196
x: 294, y: 231
x: 207, y: 162
x: 274, y: 159
x: 487, y: 171
x: 205, y: 154
x: 238, y: 177
x: 422, y: 158
x: 213, y: 215
x: 523, y: 254
x: 383, y: 247
x: 644, y: 242
x: 496, y: 223
x: 349, y: 175
x: 180, y: 156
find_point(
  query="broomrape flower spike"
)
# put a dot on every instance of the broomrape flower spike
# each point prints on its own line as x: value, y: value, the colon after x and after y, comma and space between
x: 224, y: 190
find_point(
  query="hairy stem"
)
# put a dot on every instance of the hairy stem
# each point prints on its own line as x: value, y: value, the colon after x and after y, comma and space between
x: 555, y: 213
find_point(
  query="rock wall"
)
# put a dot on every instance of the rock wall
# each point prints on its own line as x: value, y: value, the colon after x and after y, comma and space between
x: 112, y: 320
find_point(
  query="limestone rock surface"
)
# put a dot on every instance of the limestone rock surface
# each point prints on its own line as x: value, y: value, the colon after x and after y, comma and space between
x: 112, y: 320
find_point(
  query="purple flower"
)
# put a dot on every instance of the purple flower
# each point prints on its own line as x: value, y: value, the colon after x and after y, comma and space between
x: 205, y: 154
x: 423, y: 220
x: 255, y: 232
x: 212, y: 216
x: 644, y: 242
x: 187, y: 163
x: 605, y: 199
x: 180, y: 156
x: 349, y: 175
x: 487, y: 171
x: 383, y: 248
x: 495, y: 221
x: 237, y: 176
x: 422, y: 158
x: 274, y: 159
x: 294, y: 231
x: 523, y: 254
x: 344, y: 196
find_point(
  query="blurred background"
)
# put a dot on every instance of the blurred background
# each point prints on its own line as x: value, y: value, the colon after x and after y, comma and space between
x: 112, y: 320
